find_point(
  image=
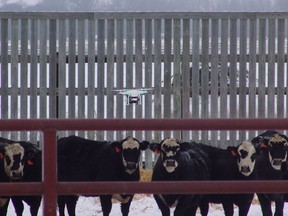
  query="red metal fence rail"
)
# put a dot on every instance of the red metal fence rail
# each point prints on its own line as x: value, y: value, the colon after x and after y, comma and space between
x: 49, y: 187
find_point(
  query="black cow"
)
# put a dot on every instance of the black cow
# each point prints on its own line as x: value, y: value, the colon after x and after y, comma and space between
x: 20, y: 162
x: 233, y: 163
x: 273, y: 147
x: 81, y: 159
x: 179, y: 162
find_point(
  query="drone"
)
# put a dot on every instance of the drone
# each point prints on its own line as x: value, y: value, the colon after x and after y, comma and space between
x: 133, y: 96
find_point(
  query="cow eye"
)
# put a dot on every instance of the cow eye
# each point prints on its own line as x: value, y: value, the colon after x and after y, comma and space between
x: 8, y: 160
x: 253, y: 157
x: 243, y: 154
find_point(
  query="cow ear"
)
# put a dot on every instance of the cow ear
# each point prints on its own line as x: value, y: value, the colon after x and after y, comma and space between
x: 155, y: 147
x: 31, y: 152
x: 2, y: 156
x: 117, y: 147
x: 232, y: 150
x: 144, y: 145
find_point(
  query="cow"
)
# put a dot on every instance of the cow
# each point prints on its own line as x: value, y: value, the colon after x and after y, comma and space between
x: 179, y: 161
x: 232, y: 163
x: 20, y: 161
x: 273, y: 148
x: 81, y: 159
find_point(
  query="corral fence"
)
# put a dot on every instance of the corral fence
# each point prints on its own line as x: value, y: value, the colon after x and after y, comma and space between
x: 67, y: 65
x: 50, y: 187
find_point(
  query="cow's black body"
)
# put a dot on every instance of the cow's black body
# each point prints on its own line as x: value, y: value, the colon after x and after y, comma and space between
x: 193, y: 164
x: 224, y: 167
x: 32, y: 173
x: 265, y: 171
x: 88, y: 160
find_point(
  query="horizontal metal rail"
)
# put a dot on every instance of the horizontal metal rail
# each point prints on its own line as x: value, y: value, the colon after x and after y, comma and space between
x: 50, y: 188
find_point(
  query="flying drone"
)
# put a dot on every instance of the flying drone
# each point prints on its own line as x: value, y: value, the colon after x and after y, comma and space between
x: 133, y: 96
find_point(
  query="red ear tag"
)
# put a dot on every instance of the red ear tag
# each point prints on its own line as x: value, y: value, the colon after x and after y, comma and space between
x: 117, y: 150
x: 30, y: 162
x: 263, y: 145
x: 1, y: 155
x: 234, y: 153
x: 157, y: 151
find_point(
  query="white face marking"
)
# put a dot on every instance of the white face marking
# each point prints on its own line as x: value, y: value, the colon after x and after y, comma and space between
x: 11, y: 152
x: 246, y: 164
x: 130, y: 143
x: 276, y: 162
x: 170, y: 148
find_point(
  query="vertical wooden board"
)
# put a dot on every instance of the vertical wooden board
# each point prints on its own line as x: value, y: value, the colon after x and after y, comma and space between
x: 24, y: 74
x: 214, y: 76
x: 62, y: 72
x: 204, y: 76
x: 271, y: 68
x: 129, y: 63
x: 72, y: 68
x: 195, y: 74
x: 100, y: 72
x: 110, y: 72
x: 262, y: 68
x: 224, y: 78
x: 33, y: 76
x: 186, y: 75
x: 52, y: 69
x: 139, y: 70
x: 81, y: 71
x: 43, y: 68
x: 148, y: 84
x: 14, y: 74
x: 280, y: 69
x: 242, y: 75
x: 252, y: 71
x: 157, y: 73
x: 176, y: 80
x: 120, y: 73
x: 167, y: 71
x: 233, y: 73
x: 91, y: 74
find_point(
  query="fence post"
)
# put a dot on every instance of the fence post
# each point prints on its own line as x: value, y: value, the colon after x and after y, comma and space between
x: 49, y: 172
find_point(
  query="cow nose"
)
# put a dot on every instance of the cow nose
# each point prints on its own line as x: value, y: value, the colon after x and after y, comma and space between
x: 131, y: 165
x: 245, y: 169
x: 16, y: 175
x: 170, y: 163
x: 277, y: 161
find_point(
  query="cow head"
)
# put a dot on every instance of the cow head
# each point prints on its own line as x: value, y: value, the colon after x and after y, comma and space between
x: 14, y: 157
x: 130, y: 148
x: 169, y: 150
x: 276, y: 147
x: 246, y: 155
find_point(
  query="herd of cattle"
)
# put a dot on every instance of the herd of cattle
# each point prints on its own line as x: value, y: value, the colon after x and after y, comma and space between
x: 79, y: 159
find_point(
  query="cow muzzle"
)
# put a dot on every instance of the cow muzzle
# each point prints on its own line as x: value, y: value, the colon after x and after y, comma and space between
x: 245, y: 170
x: 170, y: 165
x: 130, y: 167
x: 16, y: 176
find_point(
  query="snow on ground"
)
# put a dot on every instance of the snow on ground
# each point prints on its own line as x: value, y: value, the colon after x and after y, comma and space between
x: 142, y: 205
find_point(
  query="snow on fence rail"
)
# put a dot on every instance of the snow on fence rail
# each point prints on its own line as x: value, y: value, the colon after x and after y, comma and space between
x: 50, y: 187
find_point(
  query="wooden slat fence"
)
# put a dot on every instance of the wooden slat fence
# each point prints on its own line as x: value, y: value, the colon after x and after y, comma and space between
x: 67, y: 65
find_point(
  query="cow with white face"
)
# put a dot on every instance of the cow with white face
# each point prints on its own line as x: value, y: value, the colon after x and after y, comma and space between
x: 179, y: 161
x: 13, y: 159
x: 232, y: 163
x: 82, y: 159
x: 273, y: 147
x: 20, y: 162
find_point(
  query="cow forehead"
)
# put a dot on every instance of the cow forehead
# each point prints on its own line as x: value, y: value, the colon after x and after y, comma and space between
x: 130, y: 143
x: 246, y: 146
x: 14, y: 149
x: 277, y: 138
x: 170, y: 142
